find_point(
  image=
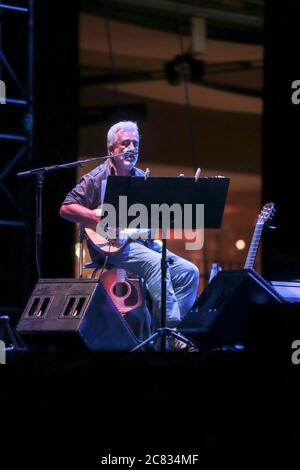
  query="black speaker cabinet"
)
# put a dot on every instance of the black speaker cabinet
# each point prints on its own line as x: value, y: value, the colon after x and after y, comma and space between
x: 74, y: 312
x: 289, y: 290
x: 219, y: 314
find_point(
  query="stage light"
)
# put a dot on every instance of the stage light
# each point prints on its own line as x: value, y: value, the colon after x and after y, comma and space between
x: 240, y: 244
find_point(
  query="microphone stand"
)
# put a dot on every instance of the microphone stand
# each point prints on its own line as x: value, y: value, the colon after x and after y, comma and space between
x: 39, y: 174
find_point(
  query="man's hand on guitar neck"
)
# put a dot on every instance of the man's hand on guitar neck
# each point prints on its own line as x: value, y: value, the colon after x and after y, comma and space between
x: 81, y: 215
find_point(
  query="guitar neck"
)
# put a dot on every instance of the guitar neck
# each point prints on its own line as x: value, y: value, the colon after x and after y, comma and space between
x: 254, y: 246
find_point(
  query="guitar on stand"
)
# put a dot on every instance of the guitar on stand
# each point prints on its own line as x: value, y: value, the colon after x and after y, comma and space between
x: 266, y: 214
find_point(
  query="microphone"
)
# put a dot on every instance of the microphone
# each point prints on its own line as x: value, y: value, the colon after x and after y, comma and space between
x: 126, y: 152
x: 129, y: 151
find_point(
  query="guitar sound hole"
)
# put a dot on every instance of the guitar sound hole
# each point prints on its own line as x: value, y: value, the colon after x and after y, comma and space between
x: 120, y: 289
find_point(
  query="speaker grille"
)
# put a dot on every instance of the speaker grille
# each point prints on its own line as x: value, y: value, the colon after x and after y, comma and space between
x: 38, y: 307
x: 74, y: 307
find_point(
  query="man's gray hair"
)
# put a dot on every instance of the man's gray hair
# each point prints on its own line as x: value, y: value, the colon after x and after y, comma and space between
x: 122, y: 125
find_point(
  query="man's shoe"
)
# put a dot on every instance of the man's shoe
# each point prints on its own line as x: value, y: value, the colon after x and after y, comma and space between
x: 176, y: 344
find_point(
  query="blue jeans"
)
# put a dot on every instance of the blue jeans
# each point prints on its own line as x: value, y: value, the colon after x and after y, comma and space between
x: 143, y: 258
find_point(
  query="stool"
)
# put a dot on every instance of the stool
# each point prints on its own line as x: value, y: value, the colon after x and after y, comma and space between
x: 96, y: 266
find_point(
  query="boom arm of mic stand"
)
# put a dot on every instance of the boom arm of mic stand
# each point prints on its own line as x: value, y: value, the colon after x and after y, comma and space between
x: 47, y: 169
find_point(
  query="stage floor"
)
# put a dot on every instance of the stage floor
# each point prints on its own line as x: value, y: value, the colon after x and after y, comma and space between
x: 111, y: 401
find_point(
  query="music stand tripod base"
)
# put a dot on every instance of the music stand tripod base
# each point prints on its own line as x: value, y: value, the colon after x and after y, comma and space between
x: 163, y: 333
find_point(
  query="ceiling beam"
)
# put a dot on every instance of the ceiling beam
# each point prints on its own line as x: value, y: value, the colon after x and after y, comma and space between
x: 221, y: 14
x: 243, y: 25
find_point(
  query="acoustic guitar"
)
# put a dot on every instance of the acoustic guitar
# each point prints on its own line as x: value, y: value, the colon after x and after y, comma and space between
x: 267, y: 213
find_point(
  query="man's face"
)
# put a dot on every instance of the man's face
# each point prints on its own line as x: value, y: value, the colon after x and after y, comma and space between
x: 126, y: 139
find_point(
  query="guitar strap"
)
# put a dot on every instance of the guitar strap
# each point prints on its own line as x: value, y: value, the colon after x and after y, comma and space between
x: 112, y: 171
x: 103, y: 189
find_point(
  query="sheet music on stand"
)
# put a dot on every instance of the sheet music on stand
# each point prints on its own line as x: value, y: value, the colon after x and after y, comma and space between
x: 210, y: 191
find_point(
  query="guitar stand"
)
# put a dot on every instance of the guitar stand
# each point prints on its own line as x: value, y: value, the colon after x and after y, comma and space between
x: 163, y: 332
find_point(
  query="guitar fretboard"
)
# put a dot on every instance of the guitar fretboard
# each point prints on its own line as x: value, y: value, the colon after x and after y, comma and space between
x: 254, y: 246
x: 121, y: 275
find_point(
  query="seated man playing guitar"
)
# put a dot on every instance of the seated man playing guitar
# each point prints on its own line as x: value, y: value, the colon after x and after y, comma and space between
x: 141, y: 257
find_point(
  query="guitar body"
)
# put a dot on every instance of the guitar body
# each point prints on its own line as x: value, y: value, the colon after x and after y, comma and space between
x: 126, y: 293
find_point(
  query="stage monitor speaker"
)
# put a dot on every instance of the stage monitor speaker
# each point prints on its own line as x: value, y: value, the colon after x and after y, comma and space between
x: 273, y: 334
x: 219, y: 314
x: 68, y: 312
x: 289, y: 290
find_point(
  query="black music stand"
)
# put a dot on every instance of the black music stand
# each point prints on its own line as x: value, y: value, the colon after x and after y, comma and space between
x: 149, y: 191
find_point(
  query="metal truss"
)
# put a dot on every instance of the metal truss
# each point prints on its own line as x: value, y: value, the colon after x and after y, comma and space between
x: 23, y: 101
x: 16, y: 134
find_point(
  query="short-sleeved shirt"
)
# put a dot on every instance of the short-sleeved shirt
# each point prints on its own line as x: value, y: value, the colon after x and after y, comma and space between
x: 89, y: 192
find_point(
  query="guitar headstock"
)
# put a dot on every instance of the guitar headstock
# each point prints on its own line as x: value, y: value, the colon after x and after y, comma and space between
x: 267, y: 213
